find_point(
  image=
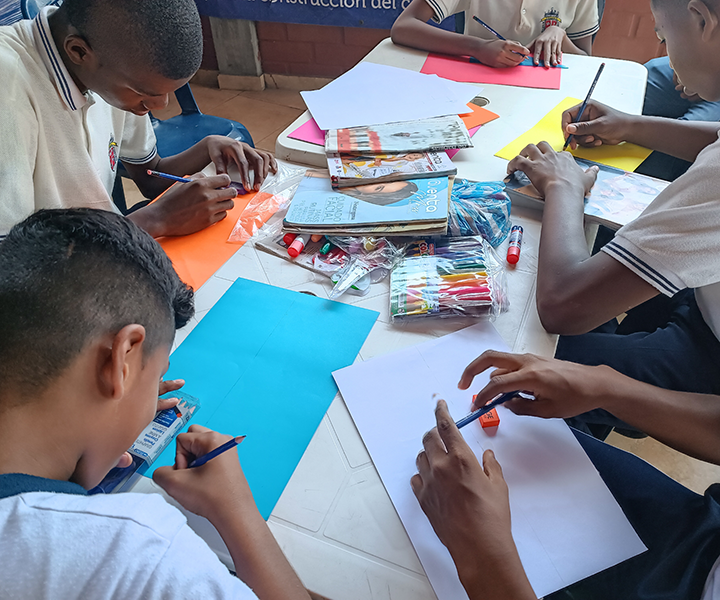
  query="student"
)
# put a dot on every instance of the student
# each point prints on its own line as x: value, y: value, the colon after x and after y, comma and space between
x: 78, y: 84
x: 467, y: 504
x: 89, y: 304
x: 666, y: 96
x: 669, y: 255
x: 544, y: 29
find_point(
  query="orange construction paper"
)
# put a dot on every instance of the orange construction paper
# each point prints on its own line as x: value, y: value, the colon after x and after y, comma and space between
x: 478, y: 116
x: 197, y: 256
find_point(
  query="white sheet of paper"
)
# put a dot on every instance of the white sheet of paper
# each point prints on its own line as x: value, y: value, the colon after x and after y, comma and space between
x: 369, y: 94
x: 565, y: 522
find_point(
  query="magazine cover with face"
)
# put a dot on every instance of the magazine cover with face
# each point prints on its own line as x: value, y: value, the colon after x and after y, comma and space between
x: 316, y: 205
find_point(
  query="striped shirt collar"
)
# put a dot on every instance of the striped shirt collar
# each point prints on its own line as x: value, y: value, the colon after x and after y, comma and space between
x: 69, y: 92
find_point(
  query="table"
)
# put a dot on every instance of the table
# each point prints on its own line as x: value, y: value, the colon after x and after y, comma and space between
x: 335, y: 522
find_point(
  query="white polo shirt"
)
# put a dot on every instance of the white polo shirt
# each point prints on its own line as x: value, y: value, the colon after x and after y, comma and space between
x: 58, y: 147
x: 675, y: 243
x: 522, y: 20
x: 59, y: 543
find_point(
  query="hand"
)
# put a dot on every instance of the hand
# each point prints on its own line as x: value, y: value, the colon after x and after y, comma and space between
x: 215, y: 489
x: 545, y: 168
x: 500, y: 53
x: 165, y: 387
x: 466, y: 504
x: 548, y: 46
x: 561, y: 389
x: 684, y: 92
x: 224, y: 151
x: 188, y: 207
x: 600, y: 125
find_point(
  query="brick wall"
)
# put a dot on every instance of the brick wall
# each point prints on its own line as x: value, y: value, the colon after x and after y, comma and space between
x: 628, y: 31
x: 314, y: 50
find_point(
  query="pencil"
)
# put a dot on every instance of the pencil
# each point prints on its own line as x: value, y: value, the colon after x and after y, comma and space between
x: 496, y: 34
x: 168, y: 176
x: 201, y: 460
x: 584, y: 104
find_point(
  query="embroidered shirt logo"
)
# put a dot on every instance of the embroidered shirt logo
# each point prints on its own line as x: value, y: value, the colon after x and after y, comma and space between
x: 113, y: 152
x: 551, y: 18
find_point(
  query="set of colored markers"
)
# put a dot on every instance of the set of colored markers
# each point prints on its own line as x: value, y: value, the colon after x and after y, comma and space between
x: 453, y: 277
x: 296, y: 243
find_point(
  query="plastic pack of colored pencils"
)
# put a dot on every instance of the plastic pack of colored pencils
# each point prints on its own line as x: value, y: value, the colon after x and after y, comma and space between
x: 448, y: 277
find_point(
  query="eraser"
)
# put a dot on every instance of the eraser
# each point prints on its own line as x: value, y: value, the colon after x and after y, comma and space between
x: 490, y: 419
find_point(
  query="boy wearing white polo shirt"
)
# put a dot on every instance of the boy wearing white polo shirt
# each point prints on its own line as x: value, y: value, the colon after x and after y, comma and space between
x: 78, y: 84
x: 545, y: 29
x: 79, y: 372
x: 663, y: 269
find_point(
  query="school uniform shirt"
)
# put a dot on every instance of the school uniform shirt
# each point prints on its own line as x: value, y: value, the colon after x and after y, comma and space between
x: 56, y: 542
x: 59, y: 148
x: 522, y: 20
x: 675, y: 243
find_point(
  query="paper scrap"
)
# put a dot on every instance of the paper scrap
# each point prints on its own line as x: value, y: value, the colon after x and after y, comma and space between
x: 461, y: 69
x: 625, y: 156
x: 309, y: 132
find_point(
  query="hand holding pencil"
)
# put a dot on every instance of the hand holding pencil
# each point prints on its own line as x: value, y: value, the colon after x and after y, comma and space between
x: 599, y: 125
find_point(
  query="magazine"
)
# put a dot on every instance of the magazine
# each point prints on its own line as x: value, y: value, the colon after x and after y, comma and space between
x: 416, y: 204
x: 440, y: 133
x: 356, y: 169
x: 617, y: 197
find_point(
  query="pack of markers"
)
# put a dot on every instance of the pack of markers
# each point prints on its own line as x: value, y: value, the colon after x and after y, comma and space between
x: 448, y: 277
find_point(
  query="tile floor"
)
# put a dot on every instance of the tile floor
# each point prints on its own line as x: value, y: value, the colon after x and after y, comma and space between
x: 268, y: 113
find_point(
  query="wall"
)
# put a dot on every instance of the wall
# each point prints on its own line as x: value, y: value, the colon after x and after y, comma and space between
x: 627, y: 31
x: 314, y: 50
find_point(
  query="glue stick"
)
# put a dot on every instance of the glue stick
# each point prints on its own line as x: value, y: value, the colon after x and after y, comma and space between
x: 513, y: 253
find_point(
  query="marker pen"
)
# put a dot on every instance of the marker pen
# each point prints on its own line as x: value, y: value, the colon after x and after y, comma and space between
x: 298, y: 244
x: 289, y: 238
x: 513, y: 253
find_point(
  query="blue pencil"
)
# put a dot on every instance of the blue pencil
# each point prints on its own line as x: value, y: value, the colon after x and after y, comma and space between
x: 168, y: 176
x: 584, y: 104
x: 476, y: 414
x: 201, y: 460
x: 495, y: 33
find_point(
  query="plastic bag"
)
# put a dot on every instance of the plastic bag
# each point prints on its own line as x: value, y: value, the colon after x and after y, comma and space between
x: 448, y: 277
x: 370, y: 257
x: 274, y: 194
x: 479, y: 208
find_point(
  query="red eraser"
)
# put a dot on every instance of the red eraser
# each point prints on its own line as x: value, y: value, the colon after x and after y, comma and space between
x: 490, y: 419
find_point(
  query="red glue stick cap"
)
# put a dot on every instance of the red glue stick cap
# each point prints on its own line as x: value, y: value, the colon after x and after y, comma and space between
x: 296, y: 247
x: 513, y: 255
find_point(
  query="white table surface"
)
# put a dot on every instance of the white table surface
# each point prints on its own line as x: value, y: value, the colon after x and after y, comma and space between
x: 334, y: 521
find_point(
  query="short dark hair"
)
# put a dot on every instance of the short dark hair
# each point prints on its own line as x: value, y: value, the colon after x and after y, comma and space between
x: 68, y: 276
x: 165, y: 35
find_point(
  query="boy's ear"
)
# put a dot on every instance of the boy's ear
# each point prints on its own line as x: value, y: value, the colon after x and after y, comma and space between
x: 705, y: 14
x: 121, y: 361
x: 79, y: 51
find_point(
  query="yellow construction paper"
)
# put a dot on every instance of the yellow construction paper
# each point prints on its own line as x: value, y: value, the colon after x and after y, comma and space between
x: 624, y: 156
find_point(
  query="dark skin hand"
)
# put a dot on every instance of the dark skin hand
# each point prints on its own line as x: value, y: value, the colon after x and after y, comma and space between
x: 565, y: 389
x: 576, y: 292
x: 468, y: 507
x: 551, y: 43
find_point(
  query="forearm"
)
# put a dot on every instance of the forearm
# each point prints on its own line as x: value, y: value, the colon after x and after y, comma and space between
x: 496, y: 577
x: 689, y: 423
x: 679, y: 138
x: 416, y: 34
x: 258, y: 559
x: 582, y: 47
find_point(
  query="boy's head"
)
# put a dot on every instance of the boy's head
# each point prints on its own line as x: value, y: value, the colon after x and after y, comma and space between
x: 88, y: 299
x: 690, y: 30
x: 132, y: 53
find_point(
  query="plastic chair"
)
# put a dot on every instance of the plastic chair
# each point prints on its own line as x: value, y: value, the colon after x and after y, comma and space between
x: 176, y: 134
x: 31, y: 8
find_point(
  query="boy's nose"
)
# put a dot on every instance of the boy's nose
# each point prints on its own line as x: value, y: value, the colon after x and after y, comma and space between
x: 157, y: 102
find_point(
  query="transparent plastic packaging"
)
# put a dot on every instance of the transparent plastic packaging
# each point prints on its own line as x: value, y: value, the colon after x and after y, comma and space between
x: 274, y: 194
x: 479, y: 208
x: 448, y: 277
x: 370, y: 257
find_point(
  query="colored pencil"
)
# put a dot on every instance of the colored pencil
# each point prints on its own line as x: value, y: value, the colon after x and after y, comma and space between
x: 201, y: 460
x: 584, y: 104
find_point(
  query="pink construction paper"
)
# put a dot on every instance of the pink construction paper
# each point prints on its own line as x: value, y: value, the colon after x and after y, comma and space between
x: 454, y: 151
x: 460, y: 69
x: 309, y: 132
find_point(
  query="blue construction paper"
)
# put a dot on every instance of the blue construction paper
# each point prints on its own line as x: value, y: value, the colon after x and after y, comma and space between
x: 261, y: 363
x: 528, y: 62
